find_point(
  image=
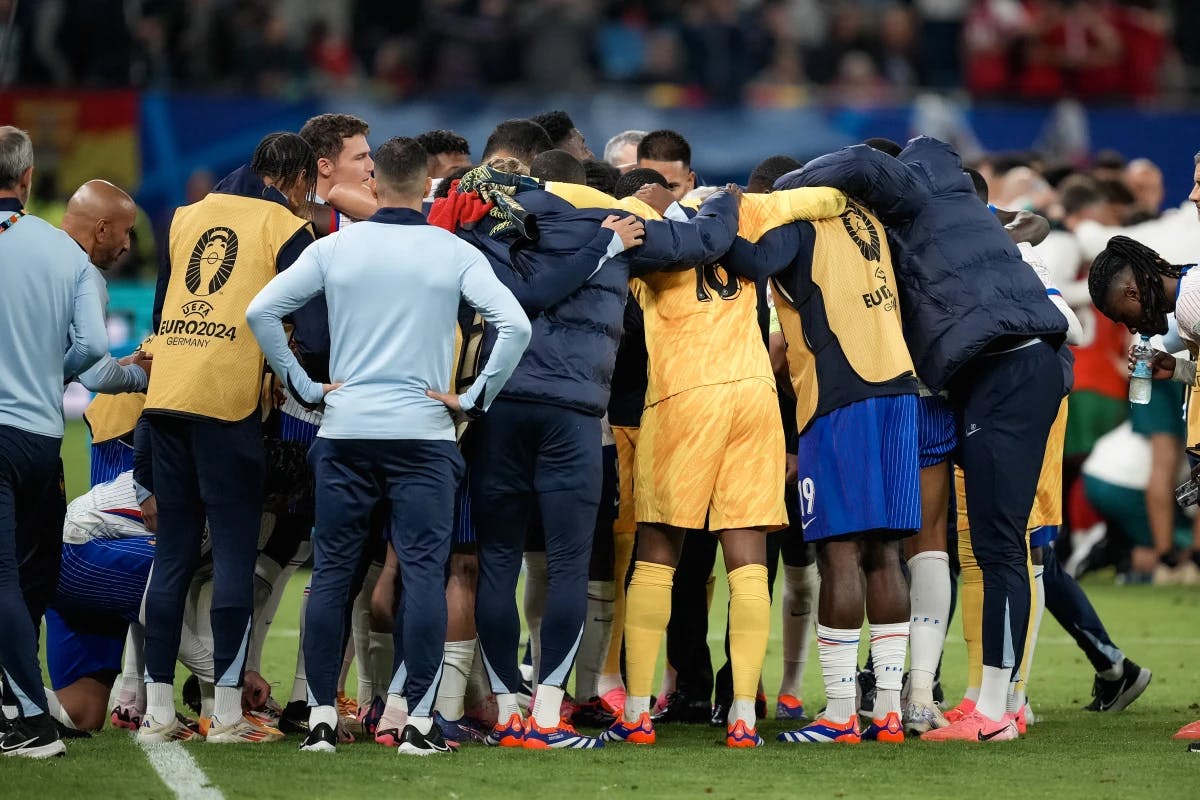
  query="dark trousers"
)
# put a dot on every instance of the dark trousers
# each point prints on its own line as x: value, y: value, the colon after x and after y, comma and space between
x: 1006, y: 404
x: 418, y: 477
x: 527, y: 456
x: 687, y: 629
x: 1066, y: 600
x: 204, y: 470
x: 29, y: 474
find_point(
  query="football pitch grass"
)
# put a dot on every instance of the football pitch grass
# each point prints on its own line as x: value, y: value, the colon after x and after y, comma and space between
x: 1069, y: 753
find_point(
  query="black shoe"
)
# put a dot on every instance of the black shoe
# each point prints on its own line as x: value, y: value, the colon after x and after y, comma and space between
x: 70, y: 733
x: 1194, y: 747
x: 294, y: 718
x: 1117, y: 694
x: 866, y: 690
x: 33, y: 737
x: 592, y: 714
x: 681, y: 709
x: 191, y: 694
x: 415, y: 743
x: 321, y: 739
x: 720, y: 715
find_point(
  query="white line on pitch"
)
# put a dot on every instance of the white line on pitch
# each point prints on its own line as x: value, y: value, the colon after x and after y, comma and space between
x: 180, y: 772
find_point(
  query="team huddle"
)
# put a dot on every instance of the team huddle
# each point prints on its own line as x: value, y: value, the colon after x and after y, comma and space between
x: 427, y: 375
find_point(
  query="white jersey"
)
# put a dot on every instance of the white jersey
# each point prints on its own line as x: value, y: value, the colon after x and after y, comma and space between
x: 109, y: 511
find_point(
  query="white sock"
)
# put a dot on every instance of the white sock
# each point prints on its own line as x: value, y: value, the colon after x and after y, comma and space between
x: 457, y: 660
x: 422, y: 724
x: 361, y: 635
x: 479, y: 689
x: 322, y: 714
x: 547, y: 706
x: 1016, y: 700
x: 208, y: 698
x: 395, y: 713
x: 160, y: 702
x: 838, y: 649
x: 57, y: 711
x: 889, y: 646
x: 535, y: 606
x: 10, y: 712
x: 228, y: 705
x: 800, y: 587
x: 132, y: 689
x: 266, y: 603
x: 972, y: 694
x: 300, y: 682
x: 993, y: 692
x: 742, y: 710
x: 929, y: 596
x: 635, y: 707
x: 597, y: 633
x: 506, y: 702
x: 605, y: 683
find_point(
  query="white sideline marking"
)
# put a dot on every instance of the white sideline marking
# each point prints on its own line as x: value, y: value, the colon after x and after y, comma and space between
x: 179, y: 771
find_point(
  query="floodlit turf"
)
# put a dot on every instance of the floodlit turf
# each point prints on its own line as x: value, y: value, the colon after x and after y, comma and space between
x: 1070, y: 754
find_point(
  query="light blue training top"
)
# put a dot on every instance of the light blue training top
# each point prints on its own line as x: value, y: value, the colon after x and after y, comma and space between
x: 392, y: 285
x: 51, y: 324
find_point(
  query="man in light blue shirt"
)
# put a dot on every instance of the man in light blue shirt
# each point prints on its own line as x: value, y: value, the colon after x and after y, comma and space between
x: 392, y: 285
x: 51, y: 329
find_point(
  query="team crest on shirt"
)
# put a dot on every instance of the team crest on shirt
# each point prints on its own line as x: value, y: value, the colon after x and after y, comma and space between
x: 211, y: 262
x: 862, y: 232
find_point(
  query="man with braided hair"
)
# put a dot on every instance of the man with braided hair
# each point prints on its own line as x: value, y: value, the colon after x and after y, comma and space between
x: 1135, y: 286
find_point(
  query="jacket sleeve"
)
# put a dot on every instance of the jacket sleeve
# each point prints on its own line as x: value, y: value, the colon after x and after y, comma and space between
x: 479, y: 286
x: 586, y: 197
x: 540, y: 280
x: 700, y: 240
x: 763, y: 212
x: 885, y: 184
x: 108, y: 376
x: 88, y: 335
x: 769, y: 255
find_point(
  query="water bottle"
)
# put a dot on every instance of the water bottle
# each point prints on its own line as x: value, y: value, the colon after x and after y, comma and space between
x: 1139, y: 382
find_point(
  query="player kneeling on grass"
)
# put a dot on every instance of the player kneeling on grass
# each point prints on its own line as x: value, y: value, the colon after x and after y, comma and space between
x: 856, y: 408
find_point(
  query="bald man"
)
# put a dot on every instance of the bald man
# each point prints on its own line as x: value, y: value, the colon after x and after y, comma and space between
x: 100, y: 218
x: 1145, y: 180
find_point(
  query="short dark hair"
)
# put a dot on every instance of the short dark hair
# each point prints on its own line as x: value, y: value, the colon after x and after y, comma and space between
x: 402, y: 165
x: 524, y: 139
x: 601, y: 175
x: 981, y: 184
x: 769, y: 170
x: 443, y: 141
x: 884, y: 145
x: 557, y: 124
x: 1079, y: 192
x: 665, y: 145
x: 1109, y: 158
x: 326, y: 133
x: 443, y: 187
x: 635, y: 179
x: 287, y: 160
x: 558, y: 165
x: 1117, y: 192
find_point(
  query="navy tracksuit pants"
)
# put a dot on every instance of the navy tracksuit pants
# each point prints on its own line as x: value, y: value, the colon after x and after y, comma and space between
x: 1006, y: 403
x: 530, y: 455
x: 419, y: 477
x: 30, y: 555
x: 204, y: 470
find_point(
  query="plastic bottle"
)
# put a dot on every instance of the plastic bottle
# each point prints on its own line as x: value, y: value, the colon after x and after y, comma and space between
x: 1140, y: 381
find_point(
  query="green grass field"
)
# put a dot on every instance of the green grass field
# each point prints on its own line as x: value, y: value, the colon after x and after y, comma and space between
x: 1067, y: 754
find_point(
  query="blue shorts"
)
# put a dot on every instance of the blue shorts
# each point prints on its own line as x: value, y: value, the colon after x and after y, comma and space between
x: 292, y: 429
x: 859, y: 469
x: 105, y: 576
x: 1043, y: 536
x: 464, y: 527
x: 82, y: 645
x: 937, y: 431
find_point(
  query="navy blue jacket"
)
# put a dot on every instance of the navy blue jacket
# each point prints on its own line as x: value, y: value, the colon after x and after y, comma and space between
x: 963, y: 284
x: 577, y: 311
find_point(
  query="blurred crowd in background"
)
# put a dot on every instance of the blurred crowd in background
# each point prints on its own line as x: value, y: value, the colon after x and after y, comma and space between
x: 691, y: 52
